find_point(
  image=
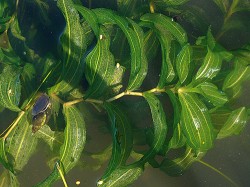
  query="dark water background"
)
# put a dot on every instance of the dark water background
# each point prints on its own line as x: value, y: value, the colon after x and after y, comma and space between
x: 230, y: 155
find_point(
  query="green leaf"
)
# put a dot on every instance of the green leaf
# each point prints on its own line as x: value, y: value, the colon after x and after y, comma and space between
x: 175, y: 2
x: 74, y: 138
x: 151, y: 45
x: 195, y: 122
x: 90, y: 17
x: 196, y: 16
x: 243, y: 5
x: 136, y: 78
x: 116, y: 83
x: 223, y: 5
x: 99, y: 67
x: 28, y: 80
x: 20, y: 145
x: 237, y: 76
x: 7, y: 178
x: 211, y: 42
x: 10, y: 88
x: 160, y: 125
x: 174, y: 28
x: 178, y: 166
x: 210, y: 66
x: 3, y: 156
x: 122, y: 138
x: 52, y: 138
x: 73, y: 46
x: 235, y: 123
x: 183, y: 62
x: 243, y: 55
x: 135, y: 38
x: 122, y: 177
x: 167, y: 71
x: 178, y: 140
x: 212, y: 94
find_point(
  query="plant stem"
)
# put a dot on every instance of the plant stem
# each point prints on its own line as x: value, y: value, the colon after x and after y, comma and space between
x: 219, y: 172
x: 14, y: 124
x: 123, y: 94
x: 61, y: 174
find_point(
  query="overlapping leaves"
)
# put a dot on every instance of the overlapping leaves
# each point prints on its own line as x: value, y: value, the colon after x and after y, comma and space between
x: 189, y: 86
x: 73, y: 48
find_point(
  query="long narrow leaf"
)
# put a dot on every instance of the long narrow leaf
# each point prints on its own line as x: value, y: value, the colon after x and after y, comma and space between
x: 20, y: 145
x: 135, y: 38
x: 10, y: 88
x: 195, y: 122
x: 183, y: 62
x: 122, y: 139
x: 234, y: 124
x: 100, y: 65
x: 174, y: 28
x: 160, y: 125
x: 73, y: 45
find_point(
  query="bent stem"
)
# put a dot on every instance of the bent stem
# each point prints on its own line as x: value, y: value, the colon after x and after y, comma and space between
x: 61, y: 174
x: 219, y: 172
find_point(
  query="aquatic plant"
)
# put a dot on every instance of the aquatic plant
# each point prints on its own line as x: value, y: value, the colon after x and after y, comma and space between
x: 61, y: 60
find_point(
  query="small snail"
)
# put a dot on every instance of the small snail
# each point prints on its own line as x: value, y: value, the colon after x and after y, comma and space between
x: 41, y: 112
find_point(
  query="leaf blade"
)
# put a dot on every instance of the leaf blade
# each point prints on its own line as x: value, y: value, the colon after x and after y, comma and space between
x: 195, y: 122
x: 10, y: 88
x: 73, y: 46
x: 235, y: 123
x: 75, y: 137
x: 183, y: 62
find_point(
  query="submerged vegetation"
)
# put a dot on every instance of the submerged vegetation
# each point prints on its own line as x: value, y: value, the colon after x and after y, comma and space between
x: 161, y: 62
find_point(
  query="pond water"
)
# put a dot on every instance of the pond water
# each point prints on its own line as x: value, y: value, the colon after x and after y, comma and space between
x: 230, y: 155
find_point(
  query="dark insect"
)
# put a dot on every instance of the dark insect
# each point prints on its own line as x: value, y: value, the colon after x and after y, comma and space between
x: 41, y: 112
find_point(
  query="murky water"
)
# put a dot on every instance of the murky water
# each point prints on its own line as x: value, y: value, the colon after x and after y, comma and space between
x: 230, y: 155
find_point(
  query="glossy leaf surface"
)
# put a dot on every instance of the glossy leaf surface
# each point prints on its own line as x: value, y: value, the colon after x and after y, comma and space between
x: 237, y: 76
x: 20, y: 145
x: 99, y: 68
x: 174, y: 28
x: 183, y: 62
x: 178, y: 140
x: 195, y: 122
x: 135, y: 38
x: 160, y: 125
x: 167, y: 71
x: 90, y: 17
x: 74, y: 137
x: 212, y: 94
x: 73, y: 46
x: 210, y: 66
x: 121, y: 136
x: 122, y: 177
x: 234, y: 124
x: 10, y: 88
x: 178, y: 166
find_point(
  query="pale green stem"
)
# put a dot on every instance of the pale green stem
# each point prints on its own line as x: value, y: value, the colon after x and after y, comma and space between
x: 219, y: 172
x: 14, y: 124
x: 61, y: 174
